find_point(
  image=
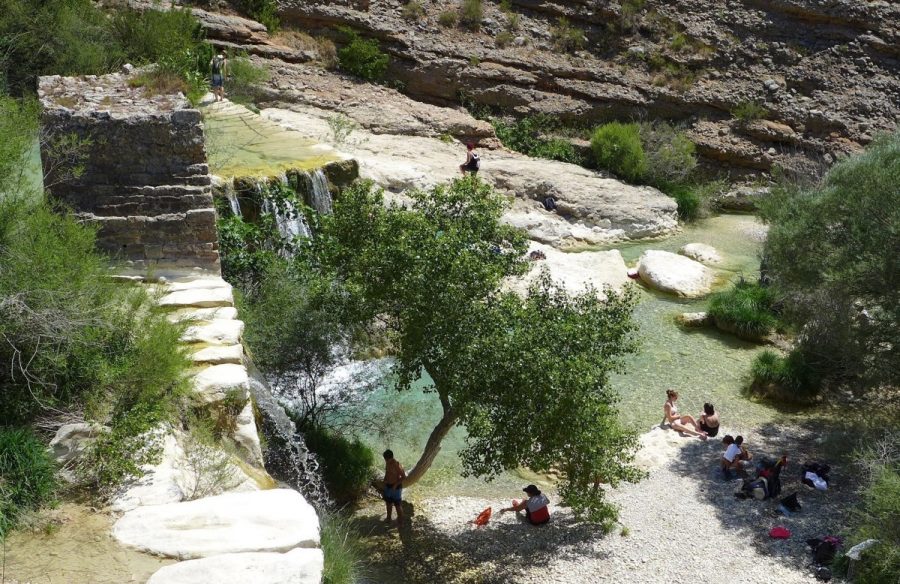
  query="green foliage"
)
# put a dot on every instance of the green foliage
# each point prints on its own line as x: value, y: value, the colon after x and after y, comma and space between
x: 617, y: 148
x: 504, y: 39
x: 566, y: 37
x: 748, y: 111
x: 347, y: 465
x: 19, y: 128
x: 691, y: 202
x: 629, y: 17
x: 341, y: 127
x: 669, y: 154
x: 433, y: 272
x: 413, y: 10
x: 343, y: 549
x: 470, y: 14
x: 787, y: 379
x: 745, y: 310
x: 244, y: 80
x: 27, y: 476
x: 448, y: 18
x: 264, y: 11
x: 529, y: 136
x: 831, y: 253
x: 878, y: 515
x: 363, y: 57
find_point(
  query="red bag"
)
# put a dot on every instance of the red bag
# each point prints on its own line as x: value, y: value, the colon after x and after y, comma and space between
x: 483, y: 517
x: 779, y: 532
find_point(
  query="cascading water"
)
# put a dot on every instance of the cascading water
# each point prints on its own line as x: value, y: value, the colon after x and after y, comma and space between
x: 320, y: 197
x: 287, y: 457
x: 231, y: 195
x: 288, y: 219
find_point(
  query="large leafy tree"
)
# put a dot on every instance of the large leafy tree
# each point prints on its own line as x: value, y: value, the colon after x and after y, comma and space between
x: 832, y: 255
x: 527, y: 377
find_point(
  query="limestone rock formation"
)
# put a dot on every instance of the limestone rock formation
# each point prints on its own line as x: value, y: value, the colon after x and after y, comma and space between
x: 575, y: 271
x: 276, y: 520
x: 145, y: 183
x: 218, y: 382
x: 694, y: 319
x: 298, y: 566
x: 71, y: 440
x: 701, y: 252
x: 675, y: 274
x: 215, y: 332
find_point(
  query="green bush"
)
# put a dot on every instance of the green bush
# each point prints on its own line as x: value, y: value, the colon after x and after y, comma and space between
x: 670, y: 155
x: 504, y: 39
x: 788, y: 379
x: 566, y: 38
x: 264, y: 11
x: 27, y: 476
x: 244, y: 80
x: 346, y: 464
x: 745, y: 310
x: 748, y: 111
x: 448, y: 18
x: 363, y: 57
x: 413, y: 10
x: 343, y: 550
x: 617, y: 148
x: 471, y: 13
x: 529, y: 136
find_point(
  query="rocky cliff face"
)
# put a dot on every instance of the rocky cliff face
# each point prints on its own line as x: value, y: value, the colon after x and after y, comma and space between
x: 145, y: 181
x: 824, y: 75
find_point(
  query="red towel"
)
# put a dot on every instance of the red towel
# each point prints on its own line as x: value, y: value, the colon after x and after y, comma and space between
x: 483, y: 517
x: 779, y: 532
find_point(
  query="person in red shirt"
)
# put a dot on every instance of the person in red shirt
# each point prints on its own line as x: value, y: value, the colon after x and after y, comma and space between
x: 536, y: 506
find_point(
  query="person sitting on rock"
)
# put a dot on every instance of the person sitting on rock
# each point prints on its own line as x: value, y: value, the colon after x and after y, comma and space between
x: 709, y: 420
x: 472, y: 163
x: 536, y: 506
x: 685, y: 424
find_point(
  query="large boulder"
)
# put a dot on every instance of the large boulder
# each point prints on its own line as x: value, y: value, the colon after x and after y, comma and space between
x: 675, y: 274
x: 701, y: 252
x: 71, y: 440
x: 215, y: 332
x: 277, y: 520
x: 574, y: 272
x: 218, y: 382
x: 298, y: 566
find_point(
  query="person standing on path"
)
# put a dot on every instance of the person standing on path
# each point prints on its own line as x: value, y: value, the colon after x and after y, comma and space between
x: 218, y: 66
x: 393, y: 485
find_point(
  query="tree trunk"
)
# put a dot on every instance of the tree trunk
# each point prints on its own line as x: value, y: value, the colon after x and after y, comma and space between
x: 433, y: 446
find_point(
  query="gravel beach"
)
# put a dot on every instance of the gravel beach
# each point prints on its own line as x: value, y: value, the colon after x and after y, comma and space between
x: 682, y: 523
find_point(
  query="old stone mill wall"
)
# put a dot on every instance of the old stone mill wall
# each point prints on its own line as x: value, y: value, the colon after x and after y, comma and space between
x: 145, y: 180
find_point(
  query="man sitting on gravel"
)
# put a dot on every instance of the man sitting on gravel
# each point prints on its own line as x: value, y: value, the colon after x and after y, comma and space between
x: 536, y: 506
x: 736, y: 455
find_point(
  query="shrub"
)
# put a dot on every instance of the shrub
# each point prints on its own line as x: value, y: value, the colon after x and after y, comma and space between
x: 363, y: 57
x: 788, y: 379
x: 346, y: 464
x: 504, y: 39
x: 748, y: 111
x: 343, y: 550
x: 629, y: 17
x: 670, y: 155
x: 27, y: 476
x: 691, y: 200
x: 471, y: 13
x: 528, y: 136
x: 565, y: 37
x: 745, y: 310
x: 244, y: 80
x: 413, y: 10
x: 448, y: 18
x: 264, y: 11
x: 617, y: 148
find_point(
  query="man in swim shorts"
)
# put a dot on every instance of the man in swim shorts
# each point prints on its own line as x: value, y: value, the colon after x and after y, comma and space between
x: 393, y: 485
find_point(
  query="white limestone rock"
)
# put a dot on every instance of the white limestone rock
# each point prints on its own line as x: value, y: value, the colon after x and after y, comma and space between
x: 199, y: 298
x: 575, y: 271
x: 165, y: 482
x: 218, y: 355
x: 72, y: 439
x: 197, y: 284
x: 694, y: 319
x: 298, y: 566
x: 700, y: 252
x: 277, y: 520
x: 217, y: 382
x: 246, y: 435
x: 675, y: 274
x: 216, y: 332
x: 203, y: 314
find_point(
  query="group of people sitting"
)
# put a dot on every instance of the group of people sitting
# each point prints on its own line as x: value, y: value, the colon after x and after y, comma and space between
x: 704, y: 426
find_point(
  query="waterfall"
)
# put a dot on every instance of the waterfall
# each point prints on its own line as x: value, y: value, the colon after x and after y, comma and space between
x: 287, y: 458
x: 288, y: 219
x: 320, y: 198
x: 231, y: 195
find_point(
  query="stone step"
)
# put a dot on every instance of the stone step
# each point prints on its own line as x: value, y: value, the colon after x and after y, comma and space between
x: 197, y: 283
x: 215, y: 332
x: 217, y: 382
x: 298, y: 566
x: 276, y: 520
x: 203, y: 314
x: 198, y: 298
x: 218, y: 355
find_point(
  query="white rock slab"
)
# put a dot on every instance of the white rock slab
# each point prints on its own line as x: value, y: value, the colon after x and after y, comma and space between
x: 203, y: 314
x: 675, y: 274
x: 197, y: 284
x: 298, y: 566
x: 216, y: 332
x: 701, y: 252
x: 199, y: 298
x: 216, y: 382
x: 246, y: 435
x: 277, y: 520
x: 218, y: 355
x: 577, y: 270
x: 165, y: 482
x: 72, y: 439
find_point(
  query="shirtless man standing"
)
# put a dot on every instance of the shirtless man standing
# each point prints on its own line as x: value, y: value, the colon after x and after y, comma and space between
x: 393, y: 485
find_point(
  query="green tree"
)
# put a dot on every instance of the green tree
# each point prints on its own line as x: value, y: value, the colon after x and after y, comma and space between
x: 617, y: 148
x: 528, y: 378
x: 832, y: 255
x: 363, y: 57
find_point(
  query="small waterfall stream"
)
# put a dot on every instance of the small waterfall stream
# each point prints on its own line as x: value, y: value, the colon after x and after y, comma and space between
x: 320, y: 196
x: 231, y: 195
x: 288, y: 218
